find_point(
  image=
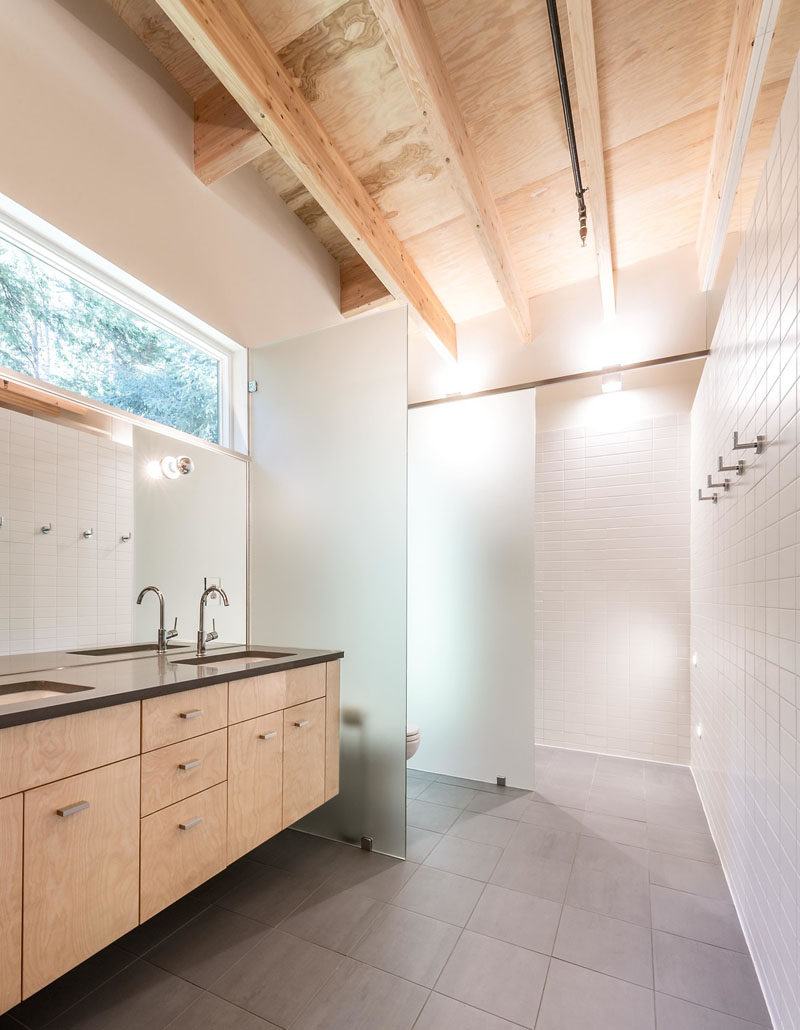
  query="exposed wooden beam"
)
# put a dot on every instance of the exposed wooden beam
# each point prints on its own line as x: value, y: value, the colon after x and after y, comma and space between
x: 227, y: 38
x: 224, y: 137
x: 410, y: 36
x: 360, y: 289
x: 581, y: 32
x: 751, y: 36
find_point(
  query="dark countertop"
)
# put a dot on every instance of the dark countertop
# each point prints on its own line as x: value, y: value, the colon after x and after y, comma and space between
x: 117, y: 679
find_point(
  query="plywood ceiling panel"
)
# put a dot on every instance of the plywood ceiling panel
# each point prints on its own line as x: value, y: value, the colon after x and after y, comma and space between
x: 660, y: 69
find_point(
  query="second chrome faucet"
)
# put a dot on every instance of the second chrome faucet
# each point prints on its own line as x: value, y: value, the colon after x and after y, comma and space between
x: 202, y: 636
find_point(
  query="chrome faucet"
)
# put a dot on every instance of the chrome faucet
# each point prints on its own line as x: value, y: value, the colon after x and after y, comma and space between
x: 163, y: 634
x: 202, y: 636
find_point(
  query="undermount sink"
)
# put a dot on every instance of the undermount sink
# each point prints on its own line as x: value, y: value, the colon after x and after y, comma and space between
x: 34, y: 690
x: 97, y: 652
x: 232, y: 660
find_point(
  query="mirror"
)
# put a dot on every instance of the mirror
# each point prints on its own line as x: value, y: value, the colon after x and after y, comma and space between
x: 86, y: 522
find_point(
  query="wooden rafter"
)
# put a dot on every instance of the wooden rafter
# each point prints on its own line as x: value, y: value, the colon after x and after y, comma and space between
x: 751, y: 36
x: 581, y: 31
x: 359, y: 289
x: 227, y: 38
x: 410, y: 36
x: 224, y: 137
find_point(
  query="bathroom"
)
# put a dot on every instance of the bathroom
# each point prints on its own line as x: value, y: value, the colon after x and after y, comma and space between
x: 279, y: 479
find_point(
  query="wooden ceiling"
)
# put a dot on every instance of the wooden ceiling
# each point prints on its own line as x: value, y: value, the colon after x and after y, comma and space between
x: 659, y: 72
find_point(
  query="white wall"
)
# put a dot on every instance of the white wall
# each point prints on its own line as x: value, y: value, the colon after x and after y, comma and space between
x: 61, y: 590
x: 95, y: 146
x: 471, y: 587
x: 187, y: 529
x: 744, y: 581
x: 328, y: 544
x: 612, y: 583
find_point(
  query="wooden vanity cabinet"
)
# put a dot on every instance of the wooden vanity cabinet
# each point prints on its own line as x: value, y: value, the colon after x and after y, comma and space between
x: 81, y: 869
x: 255, y: 783
x: 10, y: 901
x: 303, y: 759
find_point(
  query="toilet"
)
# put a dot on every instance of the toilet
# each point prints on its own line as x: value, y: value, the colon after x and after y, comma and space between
x: 412, y: 741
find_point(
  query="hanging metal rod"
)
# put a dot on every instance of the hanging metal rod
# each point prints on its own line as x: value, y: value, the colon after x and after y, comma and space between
x: 563, y: 85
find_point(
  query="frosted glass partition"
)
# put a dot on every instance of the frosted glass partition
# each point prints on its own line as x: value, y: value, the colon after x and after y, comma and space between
x: 328, y: 544
x: 471, y: 586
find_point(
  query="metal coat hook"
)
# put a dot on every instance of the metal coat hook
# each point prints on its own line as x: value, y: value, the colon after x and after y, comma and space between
x: 724, y: 485
x: 126, y: 537
x: 2, y: 521
x: 758, y: 445
x: 738, y: 468
x: 712, y: 498
x: 88, y: 534
x: 48, y: 528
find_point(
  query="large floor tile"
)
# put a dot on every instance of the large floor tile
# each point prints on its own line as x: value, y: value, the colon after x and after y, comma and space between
x: 367, y: 872
x: 623, y: 893
x: 441, y: 895
x: 277, y: 978
x: 581, y: 999
x: 553, y: 817
x: 673, y: 840
x: 408, y: 944
x: 482, y: 828
x: 520, y: 871
x: 415, y: 787
x: 305, y: 856
x: 51, y: 1001
x: 516, y: 918
x: 139, y: 996
x: 212, y: 1013
x: 145, y: 936
x: 360, y: 997
x: 676, y: 1014
x: 499, y: 806
x: 702, y: 919
x: 442, y: 1013
x: 333, y: 918
x: 709, y: 976
x: 269, y: 895
x: 620, y: 804
x: 606, y: 945
x: 447, y: 794
x: 464, y: 857
x: 202, y: 951
x: 687, y: 815
x: 616, y: 829
x: 540, y: 842
x: 420, y: 843
x: 501, y: 978
x: 427, y: 816
x: 687, y: 874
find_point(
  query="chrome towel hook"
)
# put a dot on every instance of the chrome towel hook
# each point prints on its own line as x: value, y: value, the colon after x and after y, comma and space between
x: 724, y: 485
x: 88, y: 534
x: 758, y: 445
x: 48, y: 528
x: 712, y: 498
x: 738, y: 468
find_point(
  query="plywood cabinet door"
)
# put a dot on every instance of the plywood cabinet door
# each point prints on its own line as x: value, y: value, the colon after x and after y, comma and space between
x: 255, y: 782
x: 332, y: 716
x: 81, y: 869
x: 10, y: 901
x: 303, y: 759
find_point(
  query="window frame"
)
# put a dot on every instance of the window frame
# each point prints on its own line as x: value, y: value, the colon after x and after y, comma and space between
x: 21, y: 228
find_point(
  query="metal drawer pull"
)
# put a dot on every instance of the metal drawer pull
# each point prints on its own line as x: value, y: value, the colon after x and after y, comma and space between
x: 302, y: 723
x: 191, y: 823
x: 268, y: 736
x: 193, y: 764
x: 195, y: 712
x: 79, y: 806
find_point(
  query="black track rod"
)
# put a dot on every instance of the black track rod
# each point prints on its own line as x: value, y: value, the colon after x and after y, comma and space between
x: 563, y: 85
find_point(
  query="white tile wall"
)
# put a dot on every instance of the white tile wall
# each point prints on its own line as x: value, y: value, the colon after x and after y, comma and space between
x: 612, y: 589
x: 745, y: 563
x: 59, y: 590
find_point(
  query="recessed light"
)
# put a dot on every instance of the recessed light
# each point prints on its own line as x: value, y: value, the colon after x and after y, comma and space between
x: 611, y: 382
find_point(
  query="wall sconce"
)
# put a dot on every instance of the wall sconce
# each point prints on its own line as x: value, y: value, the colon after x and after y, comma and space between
x: 170, y: 468
x: 611, y: 382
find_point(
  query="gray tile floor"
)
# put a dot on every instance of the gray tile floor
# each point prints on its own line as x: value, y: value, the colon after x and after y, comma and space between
x: 596, y: 901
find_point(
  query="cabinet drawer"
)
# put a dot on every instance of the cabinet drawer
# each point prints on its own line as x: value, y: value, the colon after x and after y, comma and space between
x: 182, y: 846
x: 174, y: 717
x: 255, y: 782
x: 179, y: 770
x: 303, y: 759
x: 10, y: 901
x: 305, y: 684
x: 81, y: 869
x: 40, y: 752
x: 258, y: 695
